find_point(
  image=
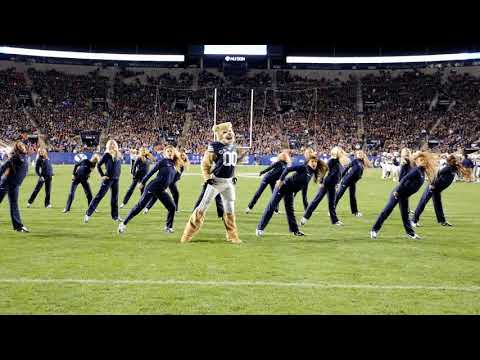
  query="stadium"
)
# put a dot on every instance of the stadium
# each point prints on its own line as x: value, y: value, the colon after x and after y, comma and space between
x: 225, y: 136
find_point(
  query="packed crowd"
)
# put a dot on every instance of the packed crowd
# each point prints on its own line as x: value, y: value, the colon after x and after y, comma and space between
x: 13, y: 122
x: 398, y: 111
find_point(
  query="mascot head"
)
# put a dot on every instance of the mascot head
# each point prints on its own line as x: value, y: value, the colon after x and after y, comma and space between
x: 224, y: 133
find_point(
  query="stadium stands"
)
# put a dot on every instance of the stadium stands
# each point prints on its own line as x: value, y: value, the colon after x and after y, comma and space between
x: 406, y: 108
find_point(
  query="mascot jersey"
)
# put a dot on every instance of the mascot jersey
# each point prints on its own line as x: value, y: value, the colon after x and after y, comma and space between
x: 225, y: 159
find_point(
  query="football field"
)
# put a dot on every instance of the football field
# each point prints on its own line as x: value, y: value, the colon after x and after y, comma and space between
x: 67, y: 267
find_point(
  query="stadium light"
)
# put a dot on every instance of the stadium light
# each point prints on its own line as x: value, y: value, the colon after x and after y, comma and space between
x: 88, y: 55
x: 382, y: 59
x: 235, y: 50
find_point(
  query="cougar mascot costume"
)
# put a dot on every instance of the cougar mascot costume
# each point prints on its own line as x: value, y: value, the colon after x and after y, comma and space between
x: 222, y: 154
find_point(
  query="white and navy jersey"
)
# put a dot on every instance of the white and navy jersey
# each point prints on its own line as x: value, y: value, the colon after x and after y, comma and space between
x: 225, y: 159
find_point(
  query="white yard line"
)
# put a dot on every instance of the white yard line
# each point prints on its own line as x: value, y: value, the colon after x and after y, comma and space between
x: 240, y: 283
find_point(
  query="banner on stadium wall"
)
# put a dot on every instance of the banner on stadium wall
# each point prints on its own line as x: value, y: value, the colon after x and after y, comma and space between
x: 195, y: 159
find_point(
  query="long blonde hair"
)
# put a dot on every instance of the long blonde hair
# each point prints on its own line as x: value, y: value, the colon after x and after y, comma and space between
x: 284, y: 156
x: 360, y: 155
x: 454, y: 162
x: 429, y: 163
x: 19, y: 148
x: 184, y: 158
x: 42, y: 152
x: 144, y: 154
x: 94, y: 160
x: 112, y: 149
x: 338, y: 153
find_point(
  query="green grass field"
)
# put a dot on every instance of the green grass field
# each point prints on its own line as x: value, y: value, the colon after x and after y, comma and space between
x: 66, y: 267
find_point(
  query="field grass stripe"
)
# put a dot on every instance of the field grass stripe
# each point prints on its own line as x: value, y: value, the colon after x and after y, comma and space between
x: 241, y: 283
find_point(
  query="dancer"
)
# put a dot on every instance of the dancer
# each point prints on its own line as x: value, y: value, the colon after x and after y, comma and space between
x: 12, y: 174
x: 81, y: 173
x: 409, y: 185
x: 350, y: 176
x: 173, y: 186
x: 110, y: 178
x: 44, y: 170
x: 286, y: 189
x: 433, y: 191
x: 166, y: 169
x: 273, y: 173
x: 139, y: 170
x: 329, y: 183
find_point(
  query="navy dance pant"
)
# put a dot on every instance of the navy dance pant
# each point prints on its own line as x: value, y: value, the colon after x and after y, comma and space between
x: 330, y: 191
x: 387, y: 210
x: 437, y: 204
x: 260, y: 190
x: 130, y: 190
x: 175, y: 194
x: 147, y: 196
x: 288, y: 198
x: 38, y: 187
x: 218, y: 202
x: 104, y: 187
x: 351, y: 185
x: 73, y: 189
x: 12, y: 192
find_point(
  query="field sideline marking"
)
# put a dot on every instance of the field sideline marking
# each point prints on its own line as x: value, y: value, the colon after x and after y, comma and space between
x: 239, y: 283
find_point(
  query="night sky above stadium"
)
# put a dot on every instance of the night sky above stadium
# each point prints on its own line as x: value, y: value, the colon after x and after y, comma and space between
x: 328, y: 32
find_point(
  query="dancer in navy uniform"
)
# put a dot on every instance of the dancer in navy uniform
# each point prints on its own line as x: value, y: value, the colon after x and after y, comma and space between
x: 409, y: 185
x: 328, y: 186
x: 44, y: 170
x: 113, y: 164
x: 81, y: 173
x: 351, y: 174
x: 173, y: 186
x: 166, y: 169
x: 442, y: 181
x: 273, y: 173
x: 139, y: 170
x: 286, y: 189
x: 12, y: 174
